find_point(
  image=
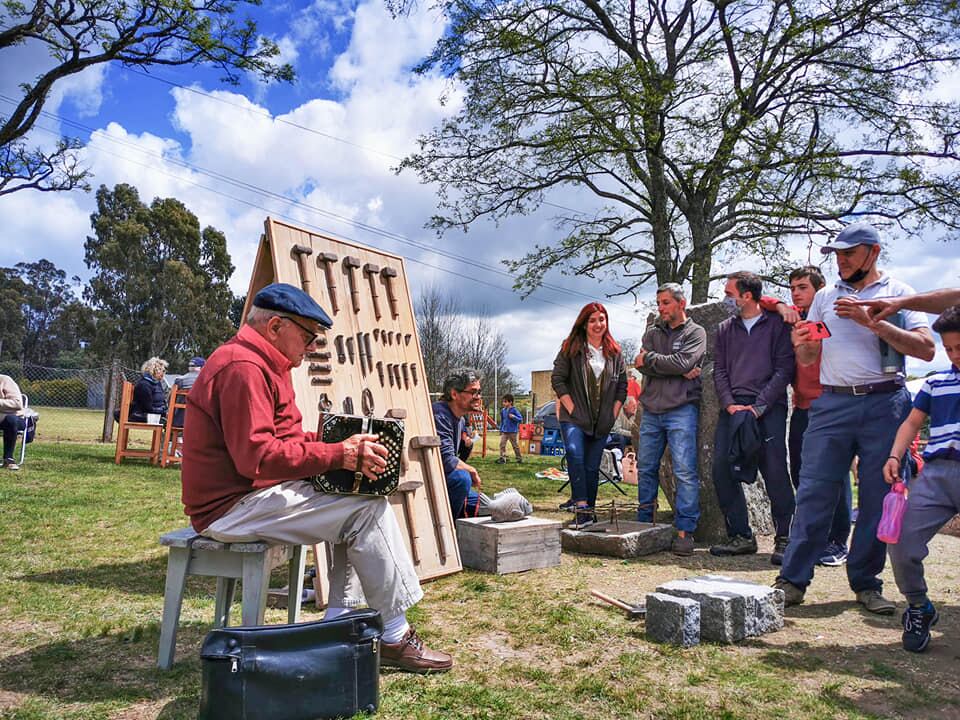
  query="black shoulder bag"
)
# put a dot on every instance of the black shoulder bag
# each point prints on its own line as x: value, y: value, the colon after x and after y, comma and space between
x: 325, y: 669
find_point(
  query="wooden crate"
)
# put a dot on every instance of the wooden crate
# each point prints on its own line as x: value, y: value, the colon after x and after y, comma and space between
x: 508, y: 547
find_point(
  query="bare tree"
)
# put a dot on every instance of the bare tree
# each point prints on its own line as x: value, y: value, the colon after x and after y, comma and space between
x: 451, y: 337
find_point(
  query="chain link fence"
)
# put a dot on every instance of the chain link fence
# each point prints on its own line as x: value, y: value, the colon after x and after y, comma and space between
x: 73, y: 404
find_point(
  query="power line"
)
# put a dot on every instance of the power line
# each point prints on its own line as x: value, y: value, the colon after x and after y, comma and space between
x: 349, y: 221
x: 298, y: 126
x: 318, y: 228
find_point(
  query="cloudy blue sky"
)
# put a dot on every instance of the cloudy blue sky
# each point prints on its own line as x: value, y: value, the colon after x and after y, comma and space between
x: 327, y: 142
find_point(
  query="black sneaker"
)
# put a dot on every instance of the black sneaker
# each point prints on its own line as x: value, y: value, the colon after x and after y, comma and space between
x: 568, y: 505
x: 582, y: 519
x: 501, y: 461
x: 779, y: 548
x: 917, y: 622
x: 737, y: 545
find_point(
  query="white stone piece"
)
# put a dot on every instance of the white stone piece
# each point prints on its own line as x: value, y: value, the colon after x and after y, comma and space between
x: 730, y: 609
x: 673, y: 620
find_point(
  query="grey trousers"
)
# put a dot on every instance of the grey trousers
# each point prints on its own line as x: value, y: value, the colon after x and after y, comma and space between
x: 934, y: 498
x: 370, y: 565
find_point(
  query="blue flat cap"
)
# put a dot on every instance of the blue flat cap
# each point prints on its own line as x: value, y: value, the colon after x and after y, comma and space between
x: 197, y: 362
x: 289, y: 299
x: 851, y: 236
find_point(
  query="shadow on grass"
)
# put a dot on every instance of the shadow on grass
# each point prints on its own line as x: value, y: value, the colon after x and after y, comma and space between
x: 912, y: 685
x: 116, y: 667
x: 142, y: 577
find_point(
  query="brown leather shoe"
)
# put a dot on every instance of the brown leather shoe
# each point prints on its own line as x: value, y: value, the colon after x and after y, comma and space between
x: 410, y: 655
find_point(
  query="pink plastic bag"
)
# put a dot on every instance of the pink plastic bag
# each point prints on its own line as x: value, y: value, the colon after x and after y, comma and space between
x: 894, y: 505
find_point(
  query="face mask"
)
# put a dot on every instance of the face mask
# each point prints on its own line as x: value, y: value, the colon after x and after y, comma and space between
x: 860, y: 274
x: 730, y: 305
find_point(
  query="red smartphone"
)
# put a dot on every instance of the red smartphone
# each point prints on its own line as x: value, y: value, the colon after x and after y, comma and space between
x: 818, y: 330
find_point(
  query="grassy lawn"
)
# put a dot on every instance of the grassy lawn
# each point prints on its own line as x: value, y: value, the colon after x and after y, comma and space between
x: 58, y: 424
x: 81, y: 587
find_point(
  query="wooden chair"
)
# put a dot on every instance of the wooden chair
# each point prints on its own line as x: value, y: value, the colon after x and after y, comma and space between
x: 171, y: 433
x: 125, y: 426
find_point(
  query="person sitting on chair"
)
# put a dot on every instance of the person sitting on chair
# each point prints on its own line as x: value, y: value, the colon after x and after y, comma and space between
x: 247, y: 464
x: 461, y: 395
x: 11, y: 419
x: 183, y: 385
x: 149, y: 394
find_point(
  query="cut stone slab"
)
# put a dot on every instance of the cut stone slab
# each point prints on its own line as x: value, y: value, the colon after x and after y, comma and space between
x: 625, y: 539
x: 730, y: 609
x: 673, y: 620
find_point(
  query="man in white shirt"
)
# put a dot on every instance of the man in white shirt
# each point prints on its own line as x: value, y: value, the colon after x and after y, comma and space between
x: 858, y: 414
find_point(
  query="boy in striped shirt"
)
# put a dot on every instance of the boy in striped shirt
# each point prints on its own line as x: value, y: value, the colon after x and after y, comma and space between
x: 935, y: 494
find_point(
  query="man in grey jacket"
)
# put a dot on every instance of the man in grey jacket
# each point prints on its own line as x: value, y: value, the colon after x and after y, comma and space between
x: 669, y: 358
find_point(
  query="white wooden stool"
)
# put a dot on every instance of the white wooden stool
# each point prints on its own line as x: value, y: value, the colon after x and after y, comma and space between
x: 251, y: 563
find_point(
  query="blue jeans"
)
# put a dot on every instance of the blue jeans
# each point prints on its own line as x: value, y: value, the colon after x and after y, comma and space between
x: 10, y: 425
x: 584, y: 453
x: 840, y: 528
x: 678, y: 429
x: 463, y: 500
x: 842, y: 426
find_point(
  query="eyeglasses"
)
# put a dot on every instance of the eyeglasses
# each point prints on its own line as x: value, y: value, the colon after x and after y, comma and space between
x: 475, y: 393
x: 314, y: 337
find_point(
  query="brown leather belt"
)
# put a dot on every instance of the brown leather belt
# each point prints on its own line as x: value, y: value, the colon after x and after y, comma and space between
x: 881, y: 387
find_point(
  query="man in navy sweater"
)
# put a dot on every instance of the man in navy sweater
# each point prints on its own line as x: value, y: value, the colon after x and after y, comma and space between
x: 753, y: 365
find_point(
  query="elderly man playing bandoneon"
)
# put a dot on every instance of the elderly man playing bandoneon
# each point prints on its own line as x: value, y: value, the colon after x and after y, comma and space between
x: 247, y: 464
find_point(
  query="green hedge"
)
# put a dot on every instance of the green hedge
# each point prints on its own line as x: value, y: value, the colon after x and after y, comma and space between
x: 58, y: 393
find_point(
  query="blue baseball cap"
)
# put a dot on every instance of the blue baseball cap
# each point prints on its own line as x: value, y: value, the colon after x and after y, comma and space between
x: 851, y: 236
x: 197, y: 362
x: 286, y: 298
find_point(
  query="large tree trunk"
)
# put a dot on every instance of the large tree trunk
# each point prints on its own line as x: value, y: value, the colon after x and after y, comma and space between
x: 711, y: 526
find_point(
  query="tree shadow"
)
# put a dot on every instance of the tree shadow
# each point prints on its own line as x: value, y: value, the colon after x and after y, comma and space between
x: 116, y: 667
x: 907, y: 685
x: 139, y: 577
x: 142, y: 577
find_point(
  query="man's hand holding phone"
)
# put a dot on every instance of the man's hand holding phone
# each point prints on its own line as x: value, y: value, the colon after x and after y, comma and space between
x: 807, y: 331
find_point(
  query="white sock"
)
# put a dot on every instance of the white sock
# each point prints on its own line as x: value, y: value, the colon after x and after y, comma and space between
x: 395, y: 628
x: 334, y: 612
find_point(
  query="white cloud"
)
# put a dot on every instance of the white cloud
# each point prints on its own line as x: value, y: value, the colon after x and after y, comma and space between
x: 342, y: 166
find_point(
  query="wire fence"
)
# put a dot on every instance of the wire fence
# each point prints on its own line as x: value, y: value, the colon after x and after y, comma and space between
x: 73, y: 404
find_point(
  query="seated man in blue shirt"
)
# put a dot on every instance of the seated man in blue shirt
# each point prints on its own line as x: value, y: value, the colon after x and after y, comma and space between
x: 461, y: 395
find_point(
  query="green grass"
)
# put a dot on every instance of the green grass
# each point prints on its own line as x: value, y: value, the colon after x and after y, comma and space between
x: 81, y: 588
x: 59, y: 424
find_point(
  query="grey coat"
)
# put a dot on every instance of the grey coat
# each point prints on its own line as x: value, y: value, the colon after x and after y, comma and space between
x: 570, y: 378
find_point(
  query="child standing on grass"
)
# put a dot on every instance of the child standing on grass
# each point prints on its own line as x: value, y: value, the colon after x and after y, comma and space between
x: 510, y: 419
x: 935, y: 494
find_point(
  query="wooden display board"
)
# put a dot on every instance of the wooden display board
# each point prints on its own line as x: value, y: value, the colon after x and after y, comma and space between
x: 372, y: 311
